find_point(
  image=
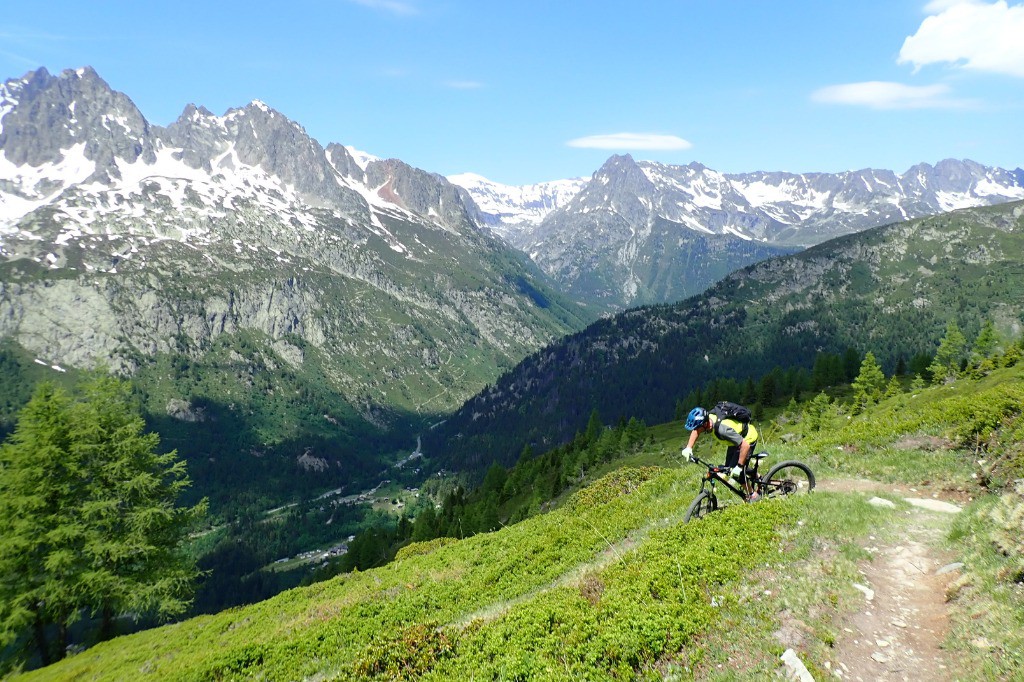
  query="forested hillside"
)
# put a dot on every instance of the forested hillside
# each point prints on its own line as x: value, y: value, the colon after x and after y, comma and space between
x: 892, y: 289
x: 611, y: 584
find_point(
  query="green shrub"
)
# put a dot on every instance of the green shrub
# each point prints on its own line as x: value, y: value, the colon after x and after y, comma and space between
x: 1008, y: 522
x: 422, y: 548
x: 405, y: 655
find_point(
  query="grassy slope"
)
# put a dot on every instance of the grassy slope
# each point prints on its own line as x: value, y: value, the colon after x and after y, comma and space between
x: 611, y: 585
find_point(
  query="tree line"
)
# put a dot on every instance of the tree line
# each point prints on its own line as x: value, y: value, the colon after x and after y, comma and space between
x: 504, y: 496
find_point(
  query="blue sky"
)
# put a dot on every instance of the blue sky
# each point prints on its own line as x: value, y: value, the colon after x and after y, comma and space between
x: 529, y: 91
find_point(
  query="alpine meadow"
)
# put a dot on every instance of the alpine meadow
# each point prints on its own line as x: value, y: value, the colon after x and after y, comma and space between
x: 278, y: 410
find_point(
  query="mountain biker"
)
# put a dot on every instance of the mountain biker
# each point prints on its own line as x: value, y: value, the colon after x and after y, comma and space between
x: 741, y: 435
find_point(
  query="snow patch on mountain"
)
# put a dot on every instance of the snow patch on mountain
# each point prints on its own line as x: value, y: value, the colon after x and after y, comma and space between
x: 361, y: 158
x: 34, y: 186
x: 514, y: 211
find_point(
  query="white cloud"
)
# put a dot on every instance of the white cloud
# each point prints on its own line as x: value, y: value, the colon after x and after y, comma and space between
x: 980, y: 36
x: 631, y: 141
x: 399, y: 7
x: 940, y: 6
x: 887, y: 95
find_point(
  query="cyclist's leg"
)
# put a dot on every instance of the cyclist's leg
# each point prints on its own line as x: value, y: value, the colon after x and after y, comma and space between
x: 732, y: 456
x: 748, y: 479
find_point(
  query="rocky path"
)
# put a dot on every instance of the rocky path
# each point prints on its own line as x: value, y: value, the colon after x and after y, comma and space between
x: 898, y: 631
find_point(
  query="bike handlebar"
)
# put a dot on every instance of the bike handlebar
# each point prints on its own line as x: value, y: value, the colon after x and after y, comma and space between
x: 694, y: 459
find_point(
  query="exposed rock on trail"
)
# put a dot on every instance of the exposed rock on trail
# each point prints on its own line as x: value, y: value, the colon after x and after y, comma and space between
x: 898, y: 631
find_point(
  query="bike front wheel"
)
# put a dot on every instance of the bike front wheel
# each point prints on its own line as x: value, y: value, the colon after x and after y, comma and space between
x: 702, y: 505
x: 787, y: 478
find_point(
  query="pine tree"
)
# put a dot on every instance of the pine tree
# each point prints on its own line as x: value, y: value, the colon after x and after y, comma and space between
x: 901, y: 366
x: 766, y: 391
x: 816, y: 412
x: 134, y: 525
x: 634, y: 433
x: 869, y: 384
x: 851, y: 363
x: 893, y: 388
x: 40, y: 535
x: 425, y: 525
x: 952, y: 348
x: 88, y: 522
x: 594, y: 428
x: 986, y: 343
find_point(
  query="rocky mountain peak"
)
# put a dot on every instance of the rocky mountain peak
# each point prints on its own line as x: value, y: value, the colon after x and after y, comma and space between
x: 242, y: 224
x: 620, y: 184
x: 76, y: 114
x: 620, y: 171
x: 343, y: 161
x: 423, y: 193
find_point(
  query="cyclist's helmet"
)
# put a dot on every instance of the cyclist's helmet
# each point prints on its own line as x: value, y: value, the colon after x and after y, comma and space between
x: 697, y: 417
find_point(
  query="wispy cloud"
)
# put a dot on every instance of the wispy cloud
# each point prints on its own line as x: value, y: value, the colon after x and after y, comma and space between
x: 463, y: 85
x: 647, y: 141
x: 397, y: 7
x: 977, y: 35
x: 27, y: 62
x: 888, y: 95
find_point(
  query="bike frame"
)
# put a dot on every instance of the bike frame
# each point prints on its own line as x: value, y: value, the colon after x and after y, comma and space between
x: 714, y: 474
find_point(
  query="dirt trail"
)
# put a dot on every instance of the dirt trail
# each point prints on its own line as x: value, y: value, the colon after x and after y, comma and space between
x: 898, y: 631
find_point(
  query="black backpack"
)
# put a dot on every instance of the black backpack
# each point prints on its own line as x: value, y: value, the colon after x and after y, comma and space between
x: 727, y: 410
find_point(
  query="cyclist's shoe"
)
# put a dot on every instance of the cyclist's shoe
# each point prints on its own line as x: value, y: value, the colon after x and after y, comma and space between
x: 753, y: 497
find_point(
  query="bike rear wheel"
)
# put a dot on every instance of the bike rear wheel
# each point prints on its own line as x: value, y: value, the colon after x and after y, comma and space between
x: 787, y: 478
x: 702, y: 505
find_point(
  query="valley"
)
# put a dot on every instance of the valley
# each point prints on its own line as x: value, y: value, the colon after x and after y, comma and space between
x: 367, y: 368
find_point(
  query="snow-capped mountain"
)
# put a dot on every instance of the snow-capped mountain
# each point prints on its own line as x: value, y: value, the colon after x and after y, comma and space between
x: 515, y: 211
x: 644, y: 232
x: 121, y: 241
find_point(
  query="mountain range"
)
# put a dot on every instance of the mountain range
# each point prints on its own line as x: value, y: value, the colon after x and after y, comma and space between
x: 317, y: 297
x: 890, y: 290
x: 239, y: 270
x: 642, y: 232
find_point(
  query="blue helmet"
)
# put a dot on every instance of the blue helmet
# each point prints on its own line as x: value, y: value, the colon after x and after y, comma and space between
x: 697, y: 417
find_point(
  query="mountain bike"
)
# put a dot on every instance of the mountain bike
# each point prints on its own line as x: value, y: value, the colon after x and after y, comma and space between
x: 785, y: 478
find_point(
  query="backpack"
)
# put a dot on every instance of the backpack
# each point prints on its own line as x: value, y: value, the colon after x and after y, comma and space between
x: 727, y: 410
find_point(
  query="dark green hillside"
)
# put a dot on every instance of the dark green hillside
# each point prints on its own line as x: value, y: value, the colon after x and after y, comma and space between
x: 891, y: 289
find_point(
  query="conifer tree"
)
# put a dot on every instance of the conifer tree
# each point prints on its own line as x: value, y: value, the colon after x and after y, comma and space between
x: 134, y: 525
x: 766, y: 391
x: 634, y: 432
x: 869, y: 384
x: 40, y: 535
x: 986, y: 342
x: 494, y: 480
x: 901, y: 366
x: 88, y: 522
x: 594, y: 428
x: 816, y: 412
x: 893, y: 388
x: 851, y: 363
x: 946, y: 363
